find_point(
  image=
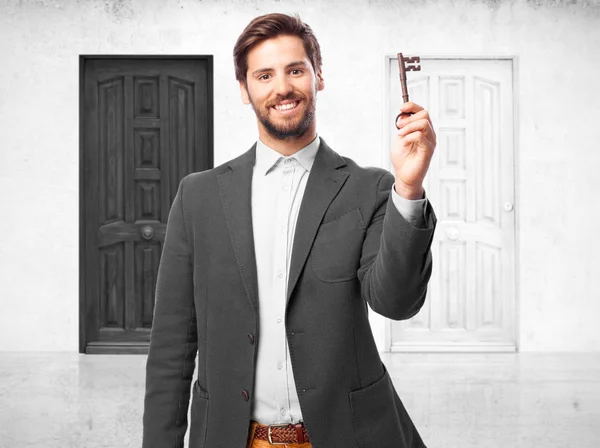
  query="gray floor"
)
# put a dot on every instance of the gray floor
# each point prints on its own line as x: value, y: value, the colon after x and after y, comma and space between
x: 456, y: 400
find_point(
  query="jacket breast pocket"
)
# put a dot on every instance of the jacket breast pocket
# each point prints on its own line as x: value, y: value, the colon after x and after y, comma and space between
x: 376, y: 420
x: 199, y: 417
x: 337, y: 248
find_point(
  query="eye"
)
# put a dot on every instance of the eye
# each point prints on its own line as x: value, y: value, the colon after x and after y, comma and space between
x: 263, y: 77
x: 296, y: 71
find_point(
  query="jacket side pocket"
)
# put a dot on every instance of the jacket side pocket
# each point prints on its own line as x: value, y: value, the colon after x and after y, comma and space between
x: 199, y: 417
x: 375, y: 417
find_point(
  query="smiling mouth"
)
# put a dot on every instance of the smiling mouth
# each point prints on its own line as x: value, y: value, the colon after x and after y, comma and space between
x: 286, y: 107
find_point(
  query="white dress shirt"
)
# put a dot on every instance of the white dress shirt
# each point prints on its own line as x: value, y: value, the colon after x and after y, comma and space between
x: 278, y: 185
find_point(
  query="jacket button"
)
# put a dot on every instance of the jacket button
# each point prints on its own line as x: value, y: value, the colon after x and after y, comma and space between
x: 245, y: 395
x: 251, y: 338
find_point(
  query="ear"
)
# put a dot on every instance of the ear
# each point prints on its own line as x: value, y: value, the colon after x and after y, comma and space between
x: 320, y: 80
x: 244, y: 93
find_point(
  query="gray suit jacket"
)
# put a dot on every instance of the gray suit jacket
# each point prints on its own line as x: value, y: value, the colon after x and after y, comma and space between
x: 351, y: 248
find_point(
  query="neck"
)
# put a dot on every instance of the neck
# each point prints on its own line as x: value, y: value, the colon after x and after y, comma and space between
x: 291, y: 145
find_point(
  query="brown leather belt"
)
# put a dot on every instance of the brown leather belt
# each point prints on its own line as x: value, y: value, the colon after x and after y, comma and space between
x: 280, y: 434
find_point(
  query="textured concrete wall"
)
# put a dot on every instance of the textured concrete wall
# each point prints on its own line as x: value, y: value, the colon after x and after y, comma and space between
x: 557, y: 160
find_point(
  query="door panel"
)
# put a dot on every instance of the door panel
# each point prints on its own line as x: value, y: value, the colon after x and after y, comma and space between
x: 147, y: 122
x: 471, y: 295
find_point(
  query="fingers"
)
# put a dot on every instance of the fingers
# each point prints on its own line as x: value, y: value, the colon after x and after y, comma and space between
x: 418, y: 125
x: 415, y: 126
x: 407, y: 109
x: 399, y: 118
x: 405, y: 118
x: 410, y: 107
x: 421, y: 139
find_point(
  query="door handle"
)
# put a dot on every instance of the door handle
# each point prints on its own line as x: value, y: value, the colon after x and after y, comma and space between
x: 452, y: 233
x: 147, y: 232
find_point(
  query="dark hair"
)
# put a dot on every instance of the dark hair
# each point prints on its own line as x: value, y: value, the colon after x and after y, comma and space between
x: 267, y: 27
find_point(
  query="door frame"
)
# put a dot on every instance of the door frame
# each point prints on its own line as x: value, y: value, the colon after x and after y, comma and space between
x: 380, y: 325
x: 83, y: 59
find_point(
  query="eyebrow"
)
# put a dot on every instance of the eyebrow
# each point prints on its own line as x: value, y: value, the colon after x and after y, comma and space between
x: 290, y: 65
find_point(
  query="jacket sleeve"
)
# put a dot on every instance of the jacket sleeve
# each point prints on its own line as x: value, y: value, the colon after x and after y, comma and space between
x: 173, y: 340
x: 395, y: 265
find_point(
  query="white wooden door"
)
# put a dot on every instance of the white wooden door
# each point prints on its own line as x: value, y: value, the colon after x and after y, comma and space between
x: 471, y: 296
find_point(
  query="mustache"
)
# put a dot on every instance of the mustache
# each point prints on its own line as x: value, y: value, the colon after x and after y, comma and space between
x: 290, y: 97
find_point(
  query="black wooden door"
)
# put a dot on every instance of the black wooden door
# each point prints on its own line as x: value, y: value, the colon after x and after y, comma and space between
x: 145, y: 123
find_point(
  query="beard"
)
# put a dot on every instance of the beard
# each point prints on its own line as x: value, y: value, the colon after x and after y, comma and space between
x: 287, y: 127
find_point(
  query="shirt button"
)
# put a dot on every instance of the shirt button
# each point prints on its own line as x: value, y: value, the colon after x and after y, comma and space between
x: 282, y: 411
x: 281, y: 229
x: 279, y: 319
x: 286, y: 188
x: 280, y: 274
x: 245, y: 394
x: 279, y: 366
x: 251, y: 338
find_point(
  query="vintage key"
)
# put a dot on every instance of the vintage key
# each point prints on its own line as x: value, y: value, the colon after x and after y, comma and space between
x: 406, y: 64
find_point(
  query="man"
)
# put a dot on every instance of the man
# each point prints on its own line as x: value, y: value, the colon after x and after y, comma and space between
x: 268, y: 265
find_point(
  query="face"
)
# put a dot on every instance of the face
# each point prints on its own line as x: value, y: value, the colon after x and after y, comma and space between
x: 282, y: 87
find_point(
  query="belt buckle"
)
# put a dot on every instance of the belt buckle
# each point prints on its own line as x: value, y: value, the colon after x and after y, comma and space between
x: 269, y: 433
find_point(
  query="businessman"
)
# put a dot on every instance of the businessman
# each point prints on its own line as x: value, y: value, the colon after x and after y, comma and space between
x: 269, y: 265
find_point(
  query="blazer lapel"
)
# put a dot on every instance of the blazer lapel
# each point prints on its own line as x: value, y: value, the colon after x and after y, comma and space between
x: 323, y: 184
x: 235, y: 188
x: 235, y: 185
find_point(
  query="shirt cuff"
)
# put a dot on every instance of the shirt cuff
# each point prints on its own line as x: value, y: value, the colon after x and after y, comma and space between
x: 411, y: 210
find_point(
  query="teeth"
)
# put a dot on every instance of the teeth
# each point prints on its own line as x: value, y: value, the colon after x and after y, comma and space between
x: 286, y: 106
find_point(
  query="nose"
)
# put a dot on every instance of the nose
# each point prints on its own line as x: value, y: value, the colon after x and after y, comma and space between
x: 283, y: 86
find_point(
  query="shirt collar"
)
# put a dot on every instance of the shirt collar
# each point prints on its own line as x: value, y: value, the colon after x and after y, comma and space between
x: 266, y: 157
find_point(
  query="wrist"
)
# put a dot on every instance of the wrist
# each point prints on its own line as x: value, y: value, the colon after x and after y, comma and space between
x: 412, y: 193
